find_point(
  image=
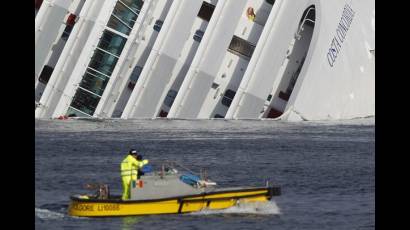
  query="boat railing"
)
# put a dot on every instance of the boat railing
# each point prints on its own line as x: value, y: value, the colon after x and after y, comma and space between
x: 175, y: 164
x: 174, y: 167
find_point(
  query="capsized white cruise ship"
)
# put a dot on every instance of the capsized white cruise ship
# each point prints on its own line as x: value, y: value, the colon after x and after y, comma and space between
x: 203, y: 59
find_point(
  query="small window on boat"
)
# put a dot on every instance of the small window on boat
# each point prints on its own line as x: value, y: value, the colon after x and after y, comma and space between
x: 241, y: 47
x: 198, y: 35
x: 269, y: 97
x: 270, y: 1
x: 214, y: 85
x: 228, y: 97
x: 218, y: 116
x: 158, y: 25
x: 206, y: 11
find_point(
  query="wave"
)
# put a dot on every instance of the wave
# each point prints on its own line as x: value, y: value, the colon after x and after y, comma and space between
x: 46, y: 214
x: 258, y: 208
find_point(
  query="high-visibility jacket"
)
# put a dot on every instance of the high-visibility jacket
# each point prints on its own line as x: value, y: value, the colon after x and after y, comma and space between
x: 130, y: 166
x: 251, y: 17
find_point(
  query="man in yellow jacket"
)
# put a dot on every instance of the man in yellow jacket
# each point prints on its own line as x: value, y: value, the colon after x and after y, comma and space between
x: 129, y: 171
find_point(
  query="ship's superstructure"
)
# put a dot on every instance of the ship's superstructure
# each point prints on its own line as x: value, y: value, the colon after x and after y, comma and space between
x: 201, y: 59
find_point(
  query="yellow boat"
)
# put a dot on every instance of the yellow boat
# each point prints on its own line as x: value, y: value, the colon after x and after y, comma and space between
x: 167, y: 192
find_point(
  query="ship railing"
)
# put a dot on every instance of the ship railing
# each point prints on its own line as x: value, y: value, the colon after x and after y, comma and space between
x: 305, y: 19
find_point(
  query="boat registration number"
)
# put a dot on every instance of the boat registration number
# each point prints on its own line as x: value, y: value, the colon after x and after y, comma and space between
x: 83, y: 207
x: 99, y: 207
x: 108, y: 207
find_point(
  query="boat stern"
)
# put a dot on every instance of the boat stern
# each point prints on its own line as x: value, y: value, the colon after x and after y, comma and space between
x: 273, y: 191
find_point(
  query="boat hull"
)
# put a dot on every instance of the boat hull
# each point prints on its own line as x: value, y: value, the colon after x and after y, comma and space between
x: 174, y: 205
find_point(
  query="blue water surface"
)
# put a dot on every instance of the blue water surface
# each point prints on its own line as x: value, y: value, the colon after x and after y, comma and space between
x: 326, y: 170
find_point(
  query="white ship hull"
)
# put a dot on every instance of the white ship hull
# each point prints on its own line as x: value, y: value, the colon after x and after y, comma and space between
x: 294, y: 60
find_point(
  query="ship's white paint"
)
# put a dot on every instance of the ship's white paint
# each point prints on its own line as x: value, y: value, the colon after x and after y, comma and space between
x: 339, y: 87
x: 56, y: 48
x: 182, y: 65
x: 328, y: 92
x: 49, y: 23
x: 346, y: 92
x: 210, y: 54
x: 173, y: 51
x: 135, y: 53
x: 234, y: 66
x: 52, y: 61
x: 267, y: 59
x: 294, y: 62
x: 74, y: 58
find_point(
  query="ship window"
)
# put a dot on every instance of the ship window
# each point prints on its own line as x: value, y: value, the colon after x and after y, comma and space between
x: 214, y: 85
x: 71, y: 112
x: 169, y: 100
x: 131, y: 85
x: 85, y: 101
x: 103, y: 62
x: 274, y: 113
x: 158, y: 25
x: 94, y: 82
x: 125, y: 14
x: 71, y: 20
x: 270, y: 1
x: 135, y: 5
x: 218, y: 116
x: 284, y: 96
x: 105, y: 57
x: 134, y: 77
x: 111, y: 42
x: 228, y: 97
x: 45, y: 74
x: 116, y: 24
x: 206, y: 11
x: 66, y: 32
x: 136, y: 73
x: 269, y: 97
x: 163, y: 113
x: 241, y: 47
x: 198, y: 35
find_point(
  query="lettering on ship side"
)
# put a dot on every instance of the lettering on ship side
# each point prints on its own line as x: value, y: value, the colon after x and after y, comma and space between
x: 340, y: 36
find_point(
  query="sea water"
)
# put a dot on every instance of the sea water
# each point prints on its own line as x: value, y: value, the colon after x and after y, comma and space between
x: 325, y: 169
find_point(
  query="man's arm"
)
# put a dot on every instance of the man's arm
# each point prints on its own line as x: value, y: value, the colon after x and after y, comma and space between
x: 142, y: 163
